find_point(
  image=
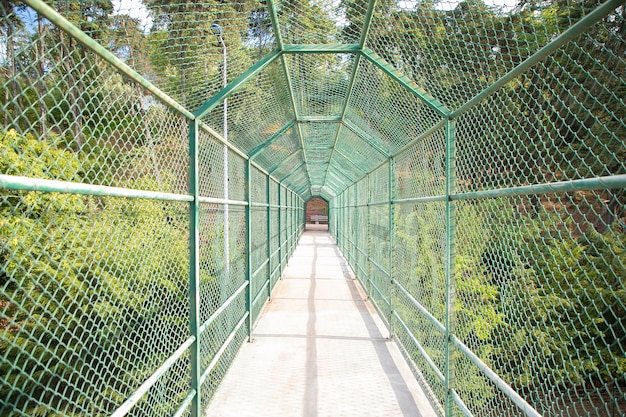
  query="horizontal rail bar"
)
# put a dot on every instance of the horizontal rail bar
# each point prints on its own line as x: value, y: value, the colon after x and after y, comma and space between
x: 419, y: 306
x: 379, y: 293
x: 223, y: 307
x: 61, y: 22
x: 380, y: 268
x: 212, y: 200
x: 320, y: 119
x: 499, y: 382
x: 325, y: 48
x: 53, y: 186
x: 587, y: 184
x: 223, y: 348
x: 419, y: 347
x: 148, y: 383
x: 182, y: 409
x: 427, y: 199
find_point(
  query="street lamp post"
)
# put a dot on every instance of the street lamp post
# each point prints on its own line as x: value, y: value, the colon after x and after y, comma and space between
x: 217, y: 31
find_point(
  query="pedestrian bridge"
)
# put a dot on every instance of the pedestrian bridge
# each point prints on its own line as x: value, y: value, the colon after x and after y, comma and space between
x: 319, y: 348
x: 156, y: 157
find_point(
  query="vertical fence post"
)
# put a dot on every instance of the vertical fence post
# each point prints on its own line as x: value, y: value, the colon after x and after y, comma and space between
x: 194, y: 267
x: 278, y: 225
x: 269, y: 236
x: 391, y: 242
x: 249, y: 294
x: 369, y: 236
x: 449, y: 263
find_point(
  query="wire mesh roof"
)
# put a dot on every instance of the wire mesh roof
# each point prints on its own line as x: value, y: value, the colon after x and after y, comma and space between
x: 319, y: 93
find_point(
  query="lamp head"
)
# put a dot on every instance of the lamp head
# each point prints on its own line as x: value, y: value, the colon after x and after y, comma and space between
x: 216, y: 29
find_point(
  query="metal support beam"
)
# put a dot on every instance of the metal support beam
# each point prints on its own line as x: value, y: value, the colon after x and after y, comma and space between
x: 249, y: 294
x: 194, y: 268
x: 271, y: 8
x: 449, y: 267
x: 323, y: 48
x: 287, y: 159
x: 367, y: 23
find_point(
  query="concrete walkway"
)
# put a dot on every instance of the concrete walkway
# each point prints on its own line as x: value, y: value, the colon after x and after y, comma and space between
x: 319, y: 349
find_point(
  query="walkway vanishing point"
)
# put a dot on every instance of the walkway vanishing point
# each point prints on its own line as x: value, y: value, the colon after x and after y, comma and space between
x: 319, y: 349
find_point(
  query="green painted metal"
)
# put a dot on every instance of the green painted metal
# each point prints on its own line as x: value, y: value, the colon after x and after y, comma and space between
x: 194, y: 269
x: 11, y: 182
x: 367, y: 23
x: 392, y: 297
x: 248, y: 174
x: 366, y: 137
x: 420, y: 348
x: 271, y: 7
x: 586, y: 184
x: 153, y: 379
x: 294, y: 107
x: 449, y: 265
x: 355, y: 69
x: 320, y: 119
x: 526, y: 408
x: 325, y: 48
x: 405, y: 82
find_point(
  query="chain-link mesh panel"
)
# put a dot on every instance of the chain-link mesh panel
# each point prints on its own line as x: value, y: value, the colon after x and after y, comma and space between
x: 256, y: 112
x: 183, y: 54
x: 455, y: 50
x: 391, y: 121
x: 275, y: 153
x: 319, y: 83
x: 82, y: 278
x: 57, y: 95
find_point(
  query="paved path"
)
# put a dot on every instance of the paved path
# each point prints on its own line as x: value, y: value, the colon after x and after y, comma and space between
x: 319, y: 349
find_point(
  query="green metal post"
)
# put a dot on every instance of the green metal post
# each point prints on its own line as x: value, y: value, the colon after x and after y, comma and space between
x: 280, y: 231
x: 449, y: 265
x: 194, y: 268
x: 391, y: 241
x: 369, y: 236
x: 249, y: 271
x: 270, y: 268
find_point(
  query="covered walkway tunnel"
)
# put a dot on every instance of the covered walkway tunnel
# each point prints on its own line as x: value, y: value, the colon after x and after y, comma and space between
x: 156, y: 158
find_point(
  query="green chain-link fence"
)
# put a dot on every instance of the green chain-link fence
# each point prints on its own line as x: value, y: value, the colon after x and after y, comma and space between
x: 156, y: 156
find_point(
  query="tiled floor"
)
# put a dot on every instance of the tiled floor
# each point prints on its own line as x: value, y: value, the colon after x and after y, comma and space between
x: 319, y: 349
